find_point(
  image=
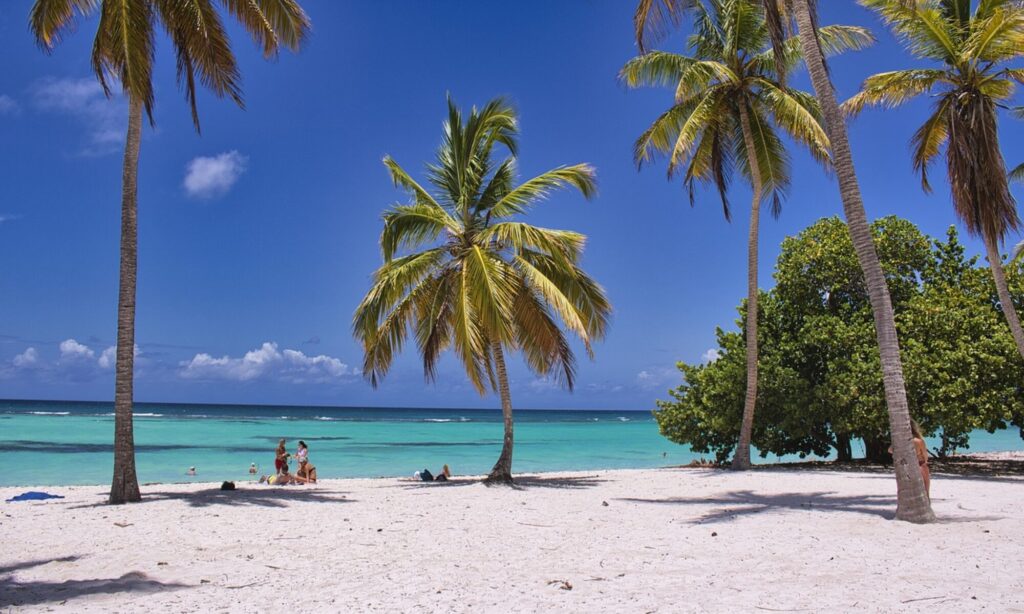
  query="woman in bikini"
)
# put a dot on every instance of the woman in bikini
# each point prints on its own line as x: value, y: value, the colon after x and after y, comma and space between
x: 921, y: 452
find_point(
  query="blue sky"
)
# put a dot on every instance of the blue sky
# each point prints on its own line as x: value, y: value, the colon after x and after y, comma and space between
x: 258, y: 237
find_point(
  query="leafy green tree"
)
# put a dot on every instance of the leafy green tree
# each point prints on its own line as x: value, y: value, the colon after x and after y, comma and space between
x: 123, y: 52
x: 729, y: 109
x: 653, y: 18
x: 461, y: 273
x: 821, y: 378
x: 972, y: 49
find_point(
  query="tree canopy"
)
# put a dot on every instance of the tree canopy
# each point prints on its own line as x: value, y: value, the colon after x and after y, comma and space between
x: 820, y: 377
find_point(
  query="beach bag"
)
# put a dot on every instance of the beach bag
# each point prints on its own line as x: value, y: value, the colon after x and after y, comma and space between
x: 227, y: 486
x: 426, y: 476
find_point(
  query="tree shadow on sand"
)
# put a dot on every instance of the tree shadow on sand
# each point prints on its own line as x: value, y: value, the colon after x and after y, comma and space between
x: 747, y: 502
x: 961, y: 467
x: 522, y: 482
x: 257, y: 496
x: 15, y: 594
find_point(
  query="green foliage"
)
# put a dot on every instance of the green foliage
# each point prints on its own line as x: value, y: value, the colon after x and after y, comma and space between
x: 820, y: 377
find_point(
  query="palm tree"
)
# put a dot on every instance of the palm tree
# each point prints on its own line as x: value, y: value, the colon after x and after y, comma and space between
x: 968, y: 87
x: 460, y: 272
x: 123, y: 51
x: 729, y: 103
x: 912, y: 500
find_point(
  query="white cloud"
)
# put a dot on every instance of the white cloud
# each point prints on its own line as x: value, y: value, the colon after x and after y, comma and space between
x: 267, y: 362
x: 7, y: 105
x: 72, y: 350
x: 108, y: 357
x: 8, y: 218
x: 208, y: 177
x: 28, y: 358
x: 711, y: 355
x: 84, y: 99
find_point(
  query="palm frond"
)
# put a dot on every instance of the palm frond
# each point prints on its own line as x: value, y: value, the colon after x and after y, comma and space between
x: 580, y: 176
x: 272, y: 23
x: 653, y: 19
x: 894, y: 88
x: 49, y: 20
x: 411, y: 226
x: 928, y: 140
x: 123, y: 50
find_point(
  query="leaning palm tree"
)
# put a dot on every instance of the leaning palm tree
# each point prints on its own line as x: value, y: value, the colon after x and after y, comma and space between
x: 729, y: 108
x: 123, y: 52
x: 461, y: 272
x: 971, y: 82
x: 650, y: 20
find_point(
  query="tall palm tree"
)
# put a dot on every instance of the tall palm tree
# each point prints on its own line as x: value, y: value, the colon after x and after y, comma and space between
x: 123, y: 51
x: 971, y: 82
x: 461, y: 272
x: 729, y: 104
x: 912, y: 500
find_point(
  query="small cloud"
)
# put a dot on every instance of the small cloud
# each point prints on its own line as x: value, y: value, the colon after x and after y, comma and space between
x: 28, y: 358
x: 655, y: 377
x: 8, y: 106
x: 71, y: 350
x: 710, y: 356
x: 209, y: 177
x: 8, y: 218
x: 267, y: 363
x: 84, y: 99
x: 108, y: 358
x: 314, y: 340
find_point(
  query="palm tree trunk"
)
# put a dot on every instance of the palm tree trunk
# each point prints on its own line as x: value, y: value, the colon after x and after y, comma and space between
x: 741, y: 459
x: 502, y: 471
x: 912, y: 500
x: 125, y: 486
x: 995, y: 262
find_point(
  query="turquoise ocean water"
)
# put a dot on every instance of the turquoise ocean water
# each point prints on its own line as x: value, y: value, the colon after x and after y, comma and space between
x: 59, y: 442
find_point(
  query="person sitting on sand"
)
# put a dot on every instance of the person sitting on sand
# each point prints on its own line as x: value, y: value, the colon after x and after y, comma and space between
x: 306, y: 473
x: 282, y: 478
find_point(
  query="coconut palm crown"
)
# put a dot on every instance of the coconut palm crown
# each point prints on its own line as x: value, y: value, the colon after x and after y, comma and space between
x: 970, y: 84
x: 732, y: 68
x: 461, y: 272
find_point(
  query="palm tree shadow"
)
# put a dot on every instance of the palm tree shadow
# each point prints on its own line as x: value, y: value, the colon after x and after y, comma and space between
x: 522, y: 482
x: 738, y: 503
x: 260, y: 496
x: 7, y: 569
x: 14, y: 594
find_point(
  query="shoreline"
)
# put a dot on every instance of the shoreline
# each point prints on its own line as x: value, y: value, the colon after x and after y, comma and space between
x: 628, y: 540
x: 1007, y: 463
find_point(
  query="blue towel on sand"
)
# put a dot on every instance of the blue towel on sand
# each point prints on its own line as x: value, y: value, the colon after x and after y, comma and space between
x: 34, y: 495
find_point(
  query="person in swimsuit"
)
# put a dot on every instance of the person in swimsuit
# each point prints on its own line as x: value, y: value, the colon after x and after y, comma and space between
x: 921, y: 452
x: 280, y: 457
x: 306, y: 473
x: 282, y: 477
x: 922, y: 456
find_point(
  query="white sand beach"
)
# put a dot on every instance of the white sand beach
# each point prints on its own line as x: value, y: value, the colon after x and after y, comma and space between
x: 668, y: 540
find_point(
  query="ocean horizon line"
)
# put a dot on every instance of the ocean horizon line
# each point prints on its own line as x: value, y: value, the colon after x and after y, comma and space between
x: 322, y: 406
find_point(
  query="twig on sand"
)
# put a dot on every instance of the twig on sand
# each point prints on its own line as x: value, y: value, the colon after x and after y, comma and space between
x: 780, y: 609
x: 243, y: 585
x: 922, y: 599
x: 278, y: 568
x: 527, y: 524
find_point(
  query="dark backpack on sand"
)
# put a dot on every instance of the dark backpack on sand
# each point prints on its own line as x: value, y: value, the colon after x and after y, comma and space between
x: 426, y: 476
x: 227, y: 486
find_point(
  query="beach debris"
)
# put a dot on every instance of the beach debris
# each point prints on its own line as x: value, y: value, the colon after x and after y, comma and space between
x: 714, y: 534
x: 565, y: 585
x: 122, y: 524
x: 161, y: 563
x: 604, y: 503
x: 204, y: 581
